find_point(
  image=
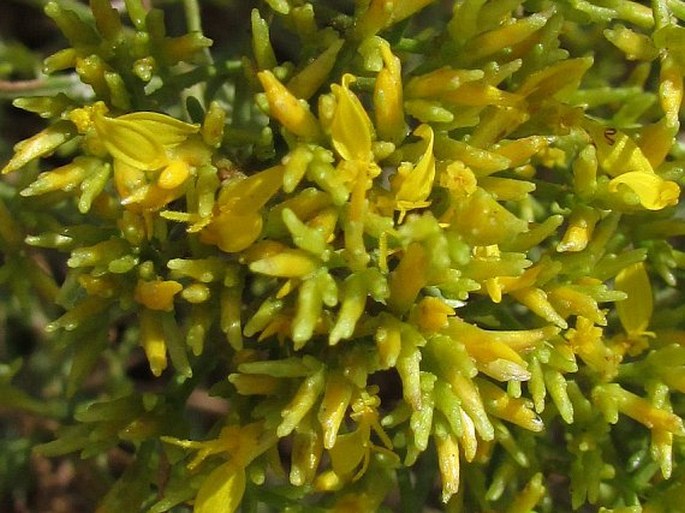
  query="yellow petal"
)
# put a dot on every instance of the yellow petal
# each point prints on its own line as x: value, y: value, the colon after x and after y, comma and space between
x: 387, y: 97
x: 654, y: 192
x: 351, y: 126
x: 408, y: 278
x: 334, y: 404
x: 414, y: 185
x: 222, y: 490
x: 617, y: 153
x: 158, y: 294
x: 459, y: 179
x: 130, y: 142
x: 174, y: 175
x: 127, y: 178
x: 233, y: 231
x: 349, y: 451
x: 250, y: 194
x: 432, y: 314
x: 166, y: 130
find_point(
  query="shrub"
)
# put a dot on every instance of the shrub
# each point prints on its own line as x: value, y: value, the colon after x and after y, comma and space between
x: 374, y: 255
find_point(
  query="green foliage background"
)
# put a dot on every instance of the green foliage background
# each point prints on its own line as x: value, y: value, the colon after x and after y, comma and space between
x: 460, y: 299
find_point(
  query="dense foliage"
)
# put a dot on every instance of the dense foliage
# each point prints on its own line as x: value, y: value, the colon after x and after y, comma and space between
x: 351, y: 256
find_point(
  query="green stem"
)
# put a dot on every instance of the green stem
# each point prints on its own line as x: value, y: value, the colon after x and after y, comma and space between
x: 73, y: 5
x: 193, y: 16
x: 194, y: 23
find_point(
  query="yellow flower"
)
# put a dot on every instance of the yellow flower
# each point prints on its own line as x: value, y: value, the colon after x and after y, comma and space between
x: 413, y: 184
x: 587, y: 341
x: 223, y: 488
x: 352, y: 137
x: 653, y: 191
x: 617, y: 152
x: 620, y: 157
x: 151, y: 165
x: 352, y: 451
x: 351, y: 129
x: 137, y: 193
x: 141, y: 138
x: 237, y: 218
x: 459, y: 179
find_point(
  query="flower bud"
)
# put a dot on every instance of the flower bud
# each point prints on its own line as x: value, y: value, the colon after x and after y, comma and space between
x: 286, y: 108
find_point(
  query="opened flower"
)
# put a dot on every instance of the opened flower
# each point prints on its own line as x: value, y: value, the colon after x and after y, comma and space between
x: 152, y: 153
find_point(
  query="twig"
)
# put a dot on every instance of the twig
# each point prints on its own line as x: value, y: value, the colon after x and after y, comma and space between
x: 200, y: 400
x: 21, y: 86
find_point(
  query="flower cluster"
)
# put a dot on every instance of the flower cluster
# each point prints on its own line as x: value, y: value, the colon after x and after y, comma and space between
x: 443, y: 236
